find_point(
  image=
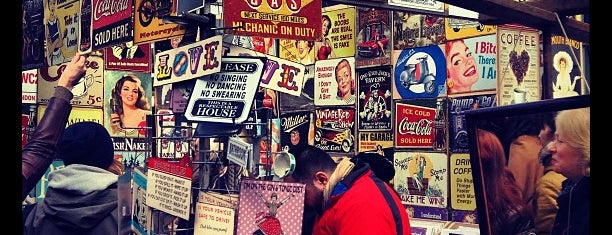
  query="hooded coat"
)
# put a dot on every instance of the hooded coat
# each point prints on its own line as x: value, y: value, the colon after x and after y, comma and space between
x: 80, y: 200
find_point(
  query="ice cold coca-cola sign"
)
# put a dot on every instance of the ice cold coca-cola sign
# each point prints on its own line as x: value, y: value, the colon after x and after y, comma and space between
x: 414, y: 126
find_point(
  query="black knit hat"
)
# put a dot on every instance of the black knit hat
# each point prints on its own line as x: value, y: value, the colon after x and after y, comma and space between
x: 381, y: 166
x: 86, y: 143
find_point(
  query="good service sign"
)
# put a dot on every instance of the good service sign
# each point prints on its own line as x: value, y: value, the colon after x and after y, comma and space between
x: 226, y: 96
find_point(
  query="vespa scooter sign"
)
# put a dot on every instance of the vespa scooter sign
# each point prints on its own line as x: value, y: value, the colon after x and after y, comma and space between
x: 226, y: 96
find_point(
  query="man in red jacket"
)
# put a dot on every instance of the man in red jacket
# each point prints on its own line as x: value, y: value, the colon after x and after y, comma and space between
x: 346, y: 198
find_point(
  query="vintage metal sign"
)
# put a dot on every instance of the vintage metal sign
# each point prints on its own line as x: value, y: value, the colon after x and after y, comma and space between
x: 226, y: 96
x: 188, y: 62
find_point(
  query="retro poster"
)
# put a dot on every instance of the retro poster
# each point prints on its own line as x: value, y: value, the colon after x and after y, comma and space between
x: 28, y: 121
x: 380, y: 142
x: 518, y: 57
x: 128, y: 57
x: 274, y: 19
x: 111, y: 25
x: 335, y: 129
x: 264, y: 45
x: 461, y: 185
x: 127, y: 98
x: 456, y: 28
x: 411, y: 30
x: 470, y: 217
x: 148, y: 24
x: 173, y: 142
x: 29, y: 86
x: 89, y: 89
x: 226, y: 96
x: 306, y: 99
x: 61, y: 30
x: 414, y: 123
x: 458, y: 139
x: 267, y: 207
x: 373, y: 37
x: 132, y: 159
x: 419, y: 73
x: 334, y: 82
x: 471, y: 64
x: 188, y: 62
x: 374, y: 102
x: 425, y: 212
x: 338, y: 37
x: 565, y: 79
x: 141, y: 213
x: 179, y: 95
x: 440, y: 142
x: 279, y: 74
x: 85, y: 25
x: 300, y: 51
x: 33, y: 33
x: 427, y: 5
x: 295, y: 129
x: 170, y: 187
x: 421, y: 179
x: 78, y: 114
x: 213, y: 219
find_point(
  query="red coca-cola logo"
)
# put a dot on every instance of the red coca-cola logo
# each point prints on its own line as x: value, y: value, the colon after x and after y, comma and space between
x: 109, y: 7
x: 421, y: 127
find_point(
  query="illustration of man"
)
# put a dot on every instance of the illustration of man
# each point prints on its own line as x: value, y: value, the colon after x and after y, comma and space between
x: 375, y: 106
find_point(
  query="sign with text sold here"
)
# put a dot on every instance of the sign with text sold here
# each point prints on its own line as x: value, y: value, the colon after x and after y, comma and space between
x: 290, y: 19
x: 226, y: 96
x: 188, y: 62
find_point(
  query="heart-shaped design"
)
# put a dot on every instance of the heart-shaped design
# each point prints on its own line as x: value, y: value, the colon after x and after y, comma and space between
x: 519, y: 65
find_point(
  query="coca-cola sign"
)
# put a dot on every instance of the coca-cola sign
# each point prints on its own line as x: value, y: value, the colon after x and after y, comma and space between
x: 109, y: 7
x: 414, y: 126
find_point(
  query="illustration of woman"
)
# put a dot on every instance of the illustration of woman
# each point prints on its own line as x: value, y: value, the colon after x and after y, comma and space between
x: 304, y: 48
x: 324, y: 48
x: 460, y: 66
x: 564, y: 86
x: 129, y: 104
x: 378, y: 38
x: 346, y: 84
x: 53, y: 34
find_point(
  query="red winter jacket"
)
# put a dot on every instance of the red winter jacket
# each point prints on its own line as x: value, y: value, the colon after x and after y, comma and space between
x: 363, y: 204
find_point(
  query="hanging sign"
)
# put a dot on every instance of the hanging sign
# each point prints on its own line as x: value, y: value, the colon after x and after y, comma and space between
x: 226, y: 96
x: 188, y: 62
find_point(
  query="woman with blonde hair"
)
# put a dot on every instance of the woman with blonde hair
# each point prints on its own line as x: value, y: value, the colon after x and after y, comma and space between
x: 571, y: 157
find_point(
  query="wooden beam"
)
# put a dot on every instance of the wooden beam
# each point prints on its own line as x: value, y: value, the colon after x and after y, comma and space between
x: 515, y: 12
x: 562, y: 7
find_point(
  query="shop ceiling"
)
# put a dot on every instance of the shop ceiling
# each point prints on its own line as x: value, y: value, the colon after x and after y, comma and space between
x: 546, y: 15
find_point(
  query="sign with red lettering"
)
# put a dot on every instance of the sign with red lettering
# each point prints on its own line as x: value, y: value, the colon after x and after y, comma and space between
x: 226, y: 96
x: 292, y: 19
x: 169, y: 187
x: 111, y: 23
x: 188, y: 62
x: 414, y: 124
x: 28, y: 86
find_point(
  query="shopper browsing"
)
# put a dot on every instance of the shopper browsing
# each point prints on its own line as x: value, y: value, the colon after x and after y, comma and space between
x: 81, y: 197
x: 40, y: 149
x: 347, y: 198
